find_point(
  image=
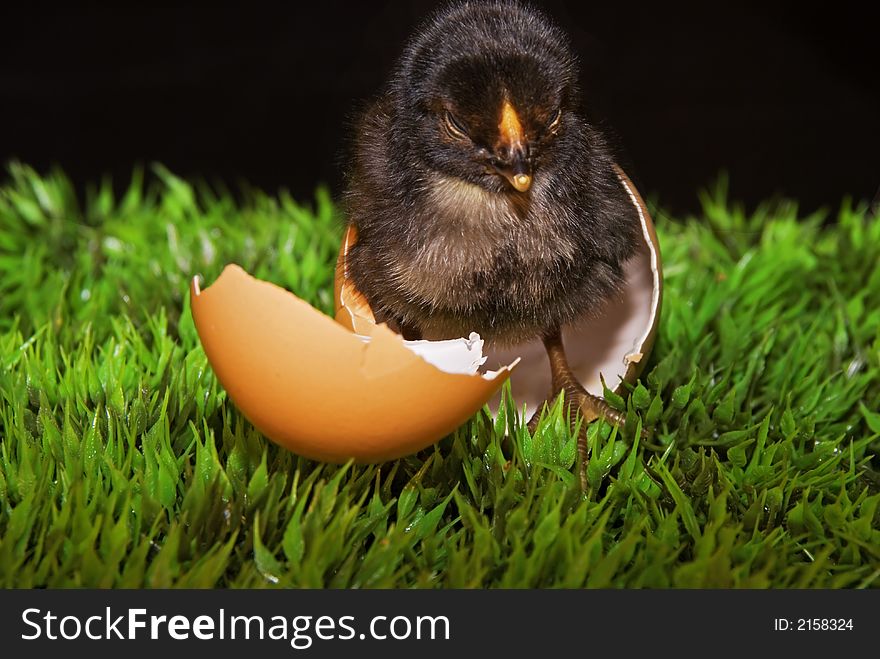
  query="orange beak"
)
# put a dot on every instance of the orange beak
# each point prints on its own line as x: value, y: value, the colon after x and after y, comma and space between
x: 512, y: 141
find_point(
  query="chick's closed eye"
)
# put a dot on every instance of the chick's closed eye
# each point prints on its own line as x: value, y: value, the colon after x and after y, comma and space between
x: 453, y: 126
x: 555, y: 122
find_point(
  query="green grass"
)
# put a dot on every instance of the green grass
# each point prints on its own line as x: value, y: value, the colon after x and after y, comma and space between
x: 123, y: 464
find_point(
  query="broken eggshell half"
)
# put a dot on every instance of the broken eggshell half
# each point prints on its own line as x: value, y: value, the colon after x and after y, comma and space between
x: 318, y: 389
x: 613, y: 342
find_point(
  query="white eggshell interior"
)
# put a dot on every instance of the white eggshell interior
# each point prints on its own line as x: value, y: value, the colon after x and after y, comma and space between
x: 459, y: 356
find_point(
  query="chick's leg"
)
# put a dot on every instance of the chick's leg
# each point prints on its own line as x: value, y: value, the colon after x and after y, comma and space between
x: 577, y: 399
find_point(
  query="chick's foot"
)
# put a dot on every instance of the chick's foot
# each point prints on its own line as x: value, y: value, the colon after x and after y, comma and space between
x: 577, y: 400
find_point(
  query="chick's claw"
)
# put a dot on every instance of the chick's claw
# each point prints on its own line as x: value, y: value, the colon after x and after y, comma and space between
x: 579, y: 404
x: 577, y: 400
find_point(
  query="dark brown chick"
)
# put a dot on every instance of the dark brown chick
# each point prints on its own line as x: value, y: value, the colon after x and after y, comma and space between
x: 482, y: 198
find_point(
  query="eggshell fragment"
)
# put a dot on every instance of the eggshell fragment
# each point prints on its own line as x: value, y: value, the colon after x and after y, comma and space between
x: 313, y: 386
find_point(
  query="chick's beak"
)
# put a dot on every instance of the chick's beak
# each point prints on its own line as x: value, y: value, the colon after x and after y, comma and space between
x: 522, y: 182
x: 515, y: 166
x: 518, y: 173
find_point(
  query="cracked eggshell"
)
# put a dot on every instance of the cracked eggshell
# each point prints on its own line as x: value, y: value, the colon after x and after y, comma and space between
x: 614, y: 343
x: 316, y: 388
x: 354, y: 389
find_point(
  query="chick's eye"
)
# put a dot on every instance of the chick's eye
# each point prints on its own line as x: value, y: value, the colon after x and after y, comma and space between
x: 553, y: 126
x: 453, y: 126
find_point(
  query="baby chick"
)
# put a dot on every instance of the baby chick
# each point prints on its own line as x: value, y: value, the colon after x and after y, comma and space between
x: 482, y: 198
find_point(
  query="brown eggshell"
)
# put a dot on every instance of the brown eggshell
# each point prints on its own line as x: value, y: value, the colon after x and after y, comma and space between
x: 311, y: 385
x: 352, y: 309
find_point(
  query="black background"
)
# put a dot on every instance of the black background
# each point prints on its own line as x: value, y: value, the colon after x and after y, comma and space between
x: 785, y: 98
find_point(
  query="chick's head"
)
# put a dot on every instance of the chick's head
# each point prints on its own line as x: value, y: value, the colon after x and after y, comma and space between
x: 487, y: 99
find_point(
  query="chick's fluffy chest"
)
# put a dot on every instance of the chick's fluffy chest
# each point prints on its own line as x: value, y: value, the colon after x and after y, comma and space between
x: 467, y: 255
